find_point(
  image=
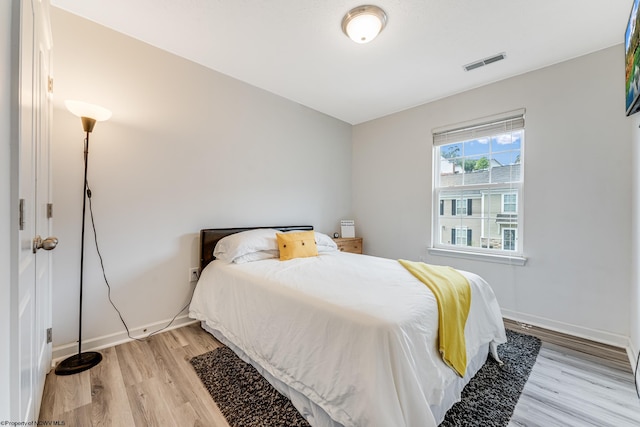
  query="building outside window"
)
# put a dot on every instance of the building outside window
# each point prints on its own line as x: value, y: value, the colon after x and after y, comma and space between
x: 478, y: 181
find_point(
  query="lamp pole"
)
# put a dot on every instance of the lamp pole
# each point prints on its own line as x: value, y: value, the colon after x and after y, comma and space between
x: 84, y: 209
x: 82, y: 361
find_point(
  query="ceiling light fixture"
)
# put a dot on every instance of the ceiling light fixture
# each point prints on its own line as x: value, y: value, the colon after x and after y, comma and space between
x: 363, y: 23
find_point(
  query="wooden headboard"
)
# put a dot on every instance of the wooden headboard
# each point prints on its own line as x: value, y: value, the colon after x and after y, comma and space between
x: 210, y: 236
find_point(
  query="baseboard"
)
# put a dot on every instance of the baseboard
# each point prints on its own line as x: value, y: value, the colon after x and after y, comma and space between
x: 569, y: 329
x: 617, y: 344
x: 63, y: 351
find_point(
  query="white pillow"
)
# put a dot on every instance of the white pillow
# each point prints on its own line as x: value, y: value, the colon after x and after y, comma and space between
x: 325, y: 243
x: 246, y: 242
x: 259, y: 244
x: 256, y: 256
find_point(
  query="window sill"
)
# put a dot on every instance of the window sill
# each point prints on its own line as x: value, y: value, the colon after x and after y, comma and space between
x: 501, y: 259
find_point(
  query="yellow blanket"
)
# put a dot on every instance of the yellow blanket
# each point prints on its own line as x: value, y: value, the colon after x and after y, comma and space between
x: 453, y: 294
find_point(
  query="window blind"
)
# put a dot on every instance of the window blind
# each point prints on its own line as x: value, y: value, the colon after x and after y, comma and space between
x: 503, y: 123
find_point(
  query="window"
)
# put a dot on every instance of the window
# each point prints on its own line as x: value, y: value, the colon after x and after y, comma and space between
x: 509, y: 239
x: 461, y: 207
x: 510, y: 203
x: 461, y: 236
x: 478, y: 180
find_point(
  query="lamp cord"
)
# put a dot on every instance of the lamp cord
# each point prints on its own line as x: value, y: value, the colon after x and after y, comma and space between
x: 104, y: 275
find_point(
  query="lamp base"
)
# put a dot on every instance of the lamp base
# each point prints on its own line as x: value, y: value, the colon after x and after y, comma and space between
x: 78, y: 363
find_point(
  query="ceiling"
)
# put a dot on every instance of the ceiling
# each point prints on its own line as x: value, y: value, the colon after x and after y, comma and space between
x: 296, y: 49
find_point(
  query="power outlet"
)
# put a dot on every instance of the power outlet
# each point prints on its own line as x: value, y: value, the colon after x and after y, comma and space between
x: 194, y: 274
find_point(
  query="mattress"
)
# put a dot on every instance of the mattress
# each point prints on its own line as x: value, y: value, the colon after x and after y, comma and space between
x: 351, y: 339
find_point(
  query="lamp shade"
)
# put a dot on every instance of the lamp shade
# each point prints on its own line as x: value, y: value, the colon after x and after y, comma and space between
x: 363, y: 23
x: 91, y: 111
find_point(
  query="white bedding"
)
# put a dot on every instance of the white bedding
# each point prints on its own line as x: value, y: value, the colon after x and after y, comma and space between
x: 355, y: 334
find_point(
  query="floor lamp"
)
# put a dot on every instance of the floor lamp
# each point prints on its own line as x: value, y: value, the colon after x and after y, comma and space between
x: 89, y: 114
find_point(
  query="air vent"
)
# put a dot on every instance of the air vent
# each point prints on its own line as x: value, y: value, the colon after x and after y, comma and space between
x: 485, y: 61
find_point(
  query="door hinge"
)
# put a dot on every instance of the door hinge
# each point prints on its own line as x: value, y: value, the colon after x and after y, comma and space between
x: 21, y: 215
x: 50, y: 85
x: 49, y: 335
x: 49, y: 210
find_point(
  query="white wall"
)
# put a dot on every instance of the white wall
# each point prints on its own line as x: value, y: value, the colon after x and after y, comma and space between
x: 6, y: 253
x: 187, y: 148
x: 577, y: 204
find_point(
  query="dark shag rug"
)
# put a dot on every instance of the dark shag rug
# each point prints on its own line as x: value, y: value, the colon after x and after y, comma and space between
x: 246, y: 399
x: 491, y: 396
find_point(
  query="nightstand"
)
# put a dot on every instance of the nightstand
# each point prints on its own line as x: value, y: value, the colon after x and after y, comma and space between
x: 349, y: 244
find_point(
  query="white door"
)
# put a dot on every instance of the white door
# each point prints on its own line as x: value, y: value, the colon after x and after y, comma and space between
x: 44, y: 209
x: 34, y: 284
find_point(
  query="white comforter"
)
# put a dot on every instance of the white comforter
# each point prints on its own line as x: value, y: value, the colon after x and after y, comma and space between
x: 356, y: 334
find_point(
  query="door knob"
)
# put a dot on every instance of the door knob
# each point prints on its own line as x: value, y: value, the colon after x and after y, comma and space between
x: 46, y: 244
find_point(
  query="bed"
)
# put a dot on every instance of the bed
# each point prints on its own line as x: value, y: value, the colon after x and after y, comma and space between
x: 350, y: 339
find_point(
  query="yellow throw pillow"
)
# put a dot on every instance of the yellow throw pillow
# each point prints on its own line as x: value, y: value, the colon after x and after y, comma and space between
x: 297, y: 245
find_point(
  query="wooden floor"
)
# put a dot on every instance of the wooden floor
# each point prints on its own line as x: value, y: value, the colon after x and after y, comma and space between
x: 566, y: 389
x: 152, y: 383
x: 147, y: 383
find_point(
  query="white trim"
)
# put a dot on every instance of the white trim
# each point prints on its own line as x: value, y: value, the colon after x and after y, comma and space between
x: 603, y: 337
x: 61, y: 352
x: 477, y: 256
